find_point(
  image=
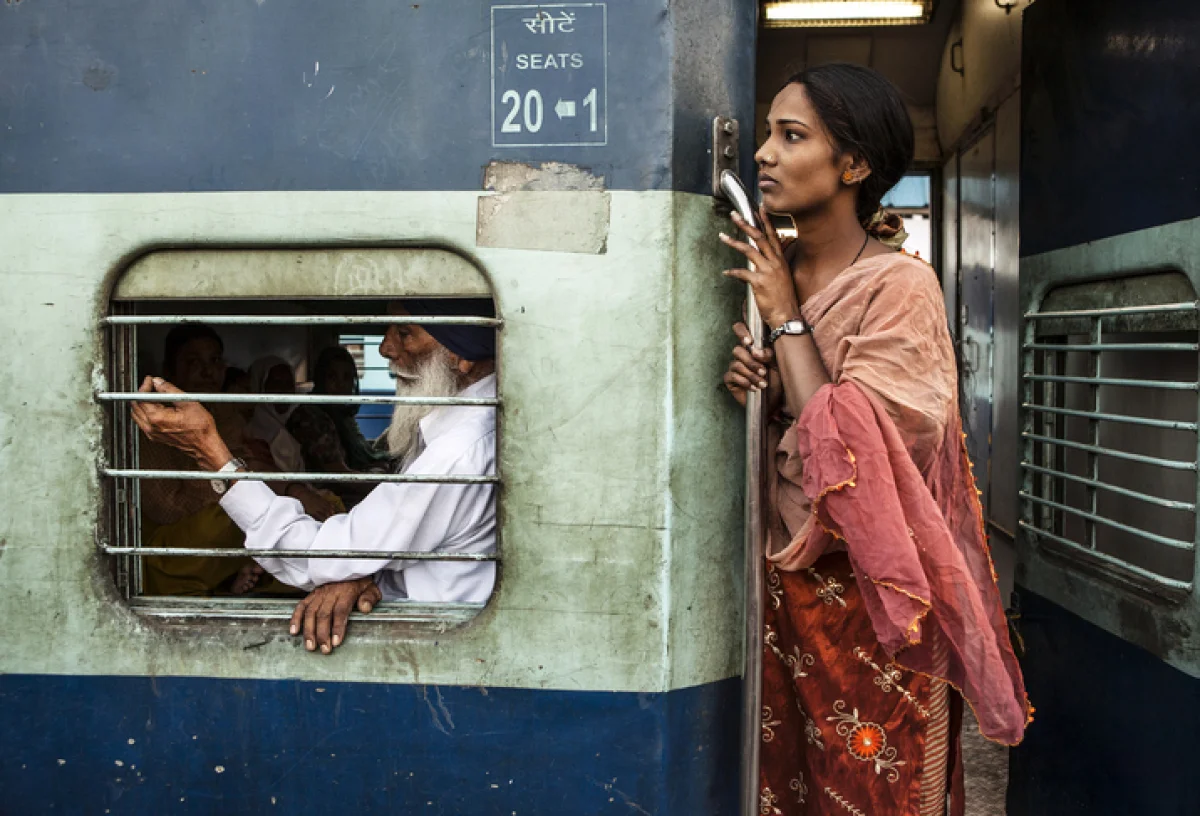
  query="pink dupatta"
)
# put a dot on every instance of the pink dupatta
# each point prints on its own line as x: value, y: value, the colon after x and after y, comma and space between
x: 876, y: 465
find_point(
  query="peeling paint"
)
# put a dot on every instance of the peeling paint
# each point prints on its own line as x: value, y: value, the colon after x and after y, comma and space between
x: 514, y: 177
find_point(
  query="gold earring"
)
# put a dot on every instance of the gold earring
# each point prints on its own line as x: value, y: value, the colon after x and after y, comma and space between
x: 847, y: 177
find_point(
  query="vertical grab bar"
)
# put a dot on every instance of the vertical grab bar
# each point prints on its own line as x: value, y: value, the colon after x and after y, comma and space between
x: 751, y: 742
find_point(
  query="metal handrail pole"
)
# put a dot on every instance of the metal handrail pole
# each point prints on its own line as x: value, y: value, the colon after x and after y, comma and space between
x: 753, y: 551
x: 755, y: 579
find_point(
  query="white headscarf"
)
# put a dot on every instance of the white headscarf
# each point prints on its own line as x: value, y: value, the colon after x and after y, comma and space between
x: 270, y: 425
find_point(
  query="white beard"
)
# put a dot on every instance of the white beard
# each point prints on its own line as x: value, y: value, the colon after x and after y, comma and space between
x: 433, y: 376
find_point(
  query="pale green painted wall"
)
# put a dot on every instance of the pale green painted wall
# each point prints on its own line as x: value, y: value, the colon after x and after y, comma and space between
x: 621, y: 518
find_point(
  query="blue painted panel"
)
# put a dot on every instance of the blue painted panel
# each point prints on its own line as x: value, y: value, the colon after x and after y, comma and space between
x: 197, y: 95
x: 1115, y: 728
x: 1109, y: 119
x: 194, y: 745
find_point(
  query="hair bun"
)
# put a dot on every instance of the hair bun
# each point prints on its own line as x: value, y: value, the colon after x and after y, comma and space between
x: 887, y: 228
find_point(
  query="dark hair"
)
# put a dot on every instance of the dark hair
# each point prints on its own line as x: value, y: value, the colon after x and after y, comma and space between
x: 865, y: 115
x: 232, y: 375
x: 325, y: 360
x: 180, y: 336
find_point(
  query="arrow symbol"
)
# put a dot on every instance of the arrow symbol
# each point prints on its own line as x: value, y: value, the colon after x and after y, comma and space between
x: 565, y: 108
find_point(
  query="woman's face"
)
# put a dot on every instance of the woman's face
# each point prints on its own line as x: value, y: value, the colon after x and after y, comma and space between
x: 799, y: 169
x: 279, y: 380
x: 199, y: 366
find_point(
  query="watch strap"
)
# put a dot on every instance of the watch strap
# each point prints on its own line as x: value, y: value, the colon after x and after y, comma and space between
x: 795, y: 326
x: 219, y: 486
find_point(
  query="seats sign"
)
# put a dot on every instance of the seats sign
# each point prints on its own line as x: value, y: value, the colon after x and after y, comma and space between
x: 549, y: 75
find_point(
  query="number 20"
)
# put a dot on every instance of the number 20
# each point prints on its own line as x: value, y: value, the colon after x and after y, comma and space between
x: 533, y: 112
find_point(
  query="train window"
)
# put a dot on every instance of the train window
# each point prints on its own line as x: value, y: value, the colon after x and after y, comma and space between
x: 1110, y: 429
x: 299, y: 389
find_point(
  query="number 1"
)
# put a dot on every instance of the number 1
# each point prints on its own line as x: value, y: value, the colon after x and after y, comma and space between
x: 589, y: 102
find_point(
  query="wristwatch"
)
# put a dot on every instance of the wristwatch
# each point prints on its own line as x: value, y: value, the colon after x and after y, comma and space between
x: 219, y: 486
x: 796, y: 325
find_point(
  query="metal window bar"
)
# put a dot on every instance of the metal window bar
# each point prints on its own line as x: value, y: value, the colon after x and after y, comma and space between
x: 1093, y: 459
x: 302, y: 320
x: 1169, y: 504
x: 373, y: 555
x: 292, y: 399
x: 126, y: 479
x: 1112, y: 347
x: 1171, y: 464
x: 1167, y: 385
x: 1118, y: 311
x: 1098, y: 519
x: 1145, y: 574
x: 1169, y: 424
x: 432, y: 617
x: 1044, y: 426
x: 271, y: 476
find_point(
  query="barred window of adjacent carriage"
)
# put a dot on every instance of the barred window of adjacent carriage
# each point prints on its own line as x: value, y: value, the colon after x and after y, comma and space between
x: 263, y: 302
x: 1110, y: 443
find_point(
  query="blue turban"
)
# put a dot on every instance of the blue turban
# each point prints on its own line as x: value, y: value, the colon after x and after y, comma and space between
x: 468, y: 342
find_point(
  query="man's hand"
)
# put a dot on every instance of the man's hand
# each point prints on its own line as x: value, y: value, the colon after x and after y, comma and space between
x: 187, y: 426
x: 323, y: 614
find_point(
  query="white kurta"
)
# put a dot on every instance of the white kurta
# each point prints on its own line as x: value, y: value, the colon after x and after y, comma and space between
x: 414, y: 517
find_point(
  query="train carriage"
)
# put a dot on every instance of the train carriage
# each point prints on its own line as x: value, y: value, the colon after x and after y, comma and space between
x: 268, y: 159
x: 284, y: 171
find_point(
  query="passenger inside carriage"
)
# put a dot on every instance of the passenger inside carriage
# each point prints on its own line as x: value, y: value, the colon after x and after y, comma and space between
x: 183, y: 512
x: 329, y: 436
x: 417, y: 516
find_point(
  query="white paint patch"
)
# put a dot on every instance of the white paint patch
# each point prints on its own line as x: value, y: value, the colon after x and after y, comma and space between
x: 575, y: 222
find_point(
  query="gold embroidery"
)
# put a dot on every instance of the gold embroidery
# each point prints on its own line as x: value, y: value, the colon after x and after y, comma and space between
x: 831, y: 589
x: 795, y: 661
x: 774, y: 587
x: 811, y: 732
x: 866, y: 741
x: 843, y: 801
x: 799, y: 787
x: 888, y: 678
x: 768, y: 724
x: 766, y: 803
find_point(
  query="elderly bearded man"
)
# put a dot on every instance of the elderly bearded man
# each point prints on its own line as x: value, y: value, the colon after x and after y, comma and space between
x: 435, y: 360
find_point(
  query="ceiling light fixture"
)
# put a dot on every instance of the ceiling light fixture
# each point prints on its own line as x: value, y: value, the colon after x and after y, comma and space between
x: 796, y: 13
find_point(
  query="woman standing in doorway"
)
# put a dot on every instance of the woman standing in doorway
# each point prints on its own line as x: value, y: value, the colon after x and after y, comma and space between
x: 881, y: 603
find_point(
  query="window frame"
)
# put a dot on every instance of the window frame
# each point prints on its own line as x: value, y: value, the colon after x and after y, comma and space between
x: 119, y: 536
x: 1084, y: 310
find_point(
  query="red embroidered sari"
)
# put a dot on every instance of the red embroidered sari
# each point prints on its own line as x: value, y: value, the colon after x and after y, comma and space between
x: 881, y: 601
